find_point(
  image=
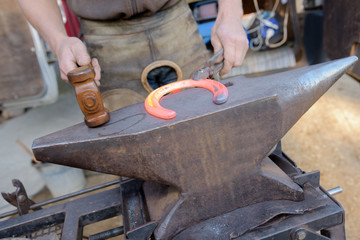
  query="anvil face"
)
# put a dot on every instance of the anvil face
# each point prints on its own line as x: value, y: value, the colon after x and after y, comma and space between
x: 211, y: 157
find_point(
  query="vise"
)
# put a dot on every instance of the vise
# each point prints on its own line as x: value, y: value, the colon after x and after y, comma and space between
x: 209, y: 166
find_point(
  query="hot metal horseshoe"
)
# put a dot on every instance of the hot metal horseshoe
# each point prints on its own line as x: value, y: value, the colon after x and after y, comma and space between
x: 154, y: 108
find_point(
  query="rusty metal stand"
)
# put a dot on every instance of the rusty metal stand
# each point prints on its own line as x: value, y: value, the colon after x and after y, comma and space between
x: 71, y: 216
x: 318, y: 216
x: 136, y: 219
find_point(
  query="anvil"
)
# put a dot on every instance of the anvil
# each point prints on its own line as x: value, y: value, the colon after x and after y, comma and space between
x: 210, y: 159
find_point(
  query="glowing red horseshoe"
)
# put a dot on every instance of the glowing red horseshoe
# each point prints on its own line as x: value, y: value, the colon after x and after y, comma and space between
x: 154, y: 108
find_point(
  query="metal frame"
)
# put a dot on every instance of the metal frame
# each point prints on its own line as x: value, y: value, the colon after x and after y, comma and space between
x: 72, y: 216
x: 67, y: 220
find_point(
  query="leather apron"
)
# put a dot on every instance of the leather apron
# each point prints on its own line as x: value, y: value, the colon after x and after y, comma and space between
x: 125, y: 47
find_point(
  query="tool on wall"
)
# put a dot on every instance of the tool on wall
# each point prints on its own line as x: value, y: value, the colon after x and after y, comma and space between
x: 88, y: 96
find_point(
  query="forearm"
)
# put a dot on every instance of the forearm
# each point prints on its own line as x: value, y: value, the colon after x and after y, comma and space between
x: 228, y: 33
x: 46, y: 18
x: 71, y: 52
x: 230, y: 9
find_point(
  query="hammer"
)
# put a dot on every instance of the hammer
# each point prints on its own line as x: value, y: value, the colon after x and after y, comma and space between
x: 88, y: 96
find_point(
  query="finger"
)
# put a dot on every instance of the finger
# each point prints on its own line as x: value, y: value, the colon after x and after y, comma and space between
x: 217, y: 47
x: 229, y: 57
x: 97, y: 69
x: 81, y: 55
x: 240, y: 57
x: 64, y: 77
x: 215, y: 42
x: 241, y: 52
x: 227, y: 67
x: 67, y: 66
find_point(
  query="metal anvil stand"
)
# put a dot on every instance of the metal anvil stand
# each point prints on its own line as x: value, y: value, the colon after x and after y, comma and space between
x: 206, y: 172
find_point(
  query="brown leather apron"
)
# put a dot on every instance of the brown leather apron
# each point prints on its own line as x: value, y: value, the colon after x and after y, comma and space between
x: 125, y: 47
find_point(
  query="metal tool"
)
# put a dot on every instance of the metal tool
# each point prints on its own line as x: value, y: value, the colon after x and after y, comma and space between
x: 211, y: 159
x: 212, y: 68
x: 88, y: 96
x: 19, y: 198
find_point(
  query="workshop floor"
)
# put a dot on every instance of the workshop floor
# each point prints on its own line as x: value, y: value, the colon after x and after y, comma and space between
x: 327, y: 138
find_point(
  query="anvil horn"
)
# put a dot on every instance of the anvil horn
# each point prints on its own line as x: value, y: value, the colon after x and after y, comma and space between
x: 211, y: 157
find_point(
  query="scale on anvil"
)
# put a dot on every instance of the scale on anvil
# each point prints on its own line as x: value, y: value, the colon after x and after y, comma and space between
x: 207, y: 173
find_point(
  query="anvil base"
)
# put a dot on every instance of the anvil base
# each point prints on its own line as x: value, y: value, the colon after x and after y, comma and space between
x: 318, y: 216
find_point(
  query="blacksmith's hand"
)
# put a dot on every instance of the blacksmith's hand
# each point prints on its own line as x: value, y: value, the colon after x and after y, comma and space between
x: 228, y: 33
x: 71, y: 53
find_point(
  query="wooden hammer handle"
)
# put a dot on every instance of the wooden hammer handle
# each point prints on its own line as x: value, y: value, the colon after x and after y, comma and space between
x: 88, y: 96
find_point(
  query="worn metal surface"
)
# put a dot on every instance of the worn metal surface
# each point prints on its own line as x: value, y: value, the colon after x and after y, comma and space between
x: 271, y: 219
x: 71, y: 216
x: 19, y: 198
x: 107, y: 234
x: 312, y: 177
x: 37, y: 206
x: 137, y: 223
x: 210, y: 157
